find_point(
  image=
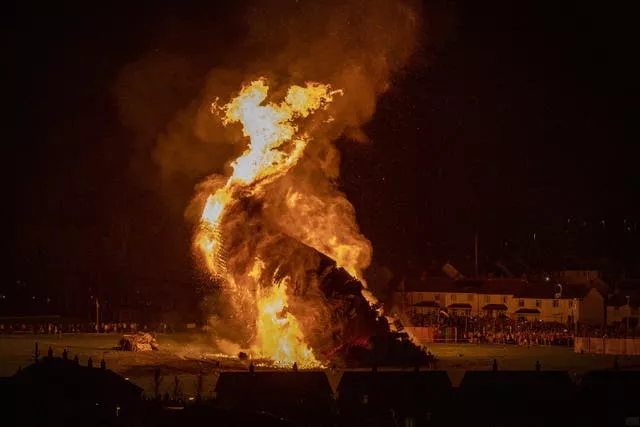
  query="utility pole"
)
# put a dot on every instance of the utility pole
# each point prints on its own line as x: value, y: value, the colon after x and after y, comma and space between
x: 476, y: 252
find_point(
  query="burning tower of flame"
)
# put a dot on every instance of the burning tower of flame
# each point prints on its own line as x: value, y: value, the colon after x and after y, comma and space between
x: 276, y: 144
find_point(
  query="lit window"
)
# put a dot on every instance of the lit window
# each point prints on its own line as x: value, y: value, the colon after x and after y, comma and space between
x: 538, y: 303
x: 521, y: 303
x: 556, y: 303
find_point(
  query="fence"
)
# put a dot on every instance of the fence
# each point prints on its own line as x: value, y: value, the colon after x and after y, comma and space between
x: 619, y: 346
x: 430, y: 334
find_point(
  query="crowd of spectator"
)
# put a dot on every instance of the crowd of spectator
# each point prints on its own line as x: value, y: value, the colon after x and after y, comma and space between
x: 60, y: 327
x: 498, y: 330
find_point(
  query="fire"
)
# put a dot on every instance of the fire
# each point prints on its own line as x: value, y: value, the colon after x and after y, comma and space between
x: 275, y: 145
x: 257, y: 293
x: 279, y: 333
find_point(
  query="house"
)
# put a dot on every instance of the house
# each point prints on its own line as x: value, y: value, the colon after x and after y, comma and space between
x: 609, y: 397
x: 411, y: 397
x: 503, y: 397
x: 545, y: 301
x: 561, y: 303
x: 623, y: 308
x: 495, y: 296
x: 60, y: 391
x: 475, y: 297
x: 589, y: 304
x: 302, y: 396
x: 510, y: 297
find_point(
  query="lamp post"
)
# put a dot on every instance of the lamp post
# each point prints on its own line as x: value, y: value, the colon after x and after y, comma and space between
x: 628, y: 314
x: 97, y: 314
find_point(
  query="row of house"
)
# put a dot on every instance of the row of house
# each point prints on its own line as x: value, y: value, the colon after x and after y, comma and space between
x: 563, y: 301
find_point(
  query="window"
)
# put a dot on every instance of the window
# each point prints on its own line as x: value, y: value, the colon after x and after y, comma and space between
x: 538, y: 303
x: 556, y: 303
x: 470, y: 297
x: 453, y: 297
x: 487, y: 298
x: 521, y: 303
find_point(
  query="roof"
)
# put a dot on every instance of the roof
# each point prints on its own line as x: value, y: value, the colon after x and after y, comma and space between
x: 68, y: 380
x: 518, y: 382
x: 434, y: 304
x: 393, y: 384
x: 542, y: 290
x: 479, y: 286
x: 459, y: 305
x: 313, y: 384
x: 501, y: 286
x: 611, y: 384
x: 494, y: 307
x: 528, y: 311
x: 432, y: 284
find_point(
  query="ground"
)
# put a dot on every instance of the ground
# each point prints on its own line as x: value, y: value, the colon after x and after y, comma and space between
x: 183, y: 356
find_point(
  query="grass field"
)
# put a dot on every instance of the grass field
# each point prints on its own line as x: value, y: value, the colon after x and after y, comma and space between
x: 185, y: 355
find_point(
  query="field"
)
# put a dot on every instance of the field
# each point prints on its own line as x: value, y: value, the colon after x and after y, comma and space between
x: 183, y: 356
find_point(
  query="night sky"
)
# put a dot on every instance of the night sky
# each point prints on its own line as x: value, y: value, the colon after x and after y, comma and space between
x: 509, y: 121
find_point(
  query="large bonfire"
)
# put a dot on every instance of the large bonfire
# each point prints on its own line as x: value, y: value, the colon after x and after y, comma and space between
x: 267, y: 267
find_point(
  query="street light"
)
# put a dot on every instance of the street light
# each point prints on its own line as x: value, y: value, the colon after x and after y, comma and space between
x: 628, y: 312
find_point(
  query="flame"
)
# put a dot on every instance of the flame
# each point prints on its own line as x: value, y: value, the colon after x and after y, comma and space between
x: 279, y: 333
x: 275, y: 145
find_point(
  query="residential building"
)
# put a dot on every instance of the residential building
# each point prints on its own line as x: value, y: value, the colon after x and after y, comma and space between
x: 555, y: 302
x: 623, y: 307
x: 515, y: 298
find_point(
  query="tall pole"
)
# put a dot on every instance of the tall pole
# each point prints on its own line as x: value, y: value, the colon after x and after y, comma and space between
x: 476, y: 252
x: 97, y: 314
x: 628, y: 315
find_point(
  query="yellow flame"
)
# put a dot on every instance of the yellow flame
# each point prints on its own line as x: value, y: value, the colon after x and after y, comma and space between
x: 275, y: 145
x: 279, y: 335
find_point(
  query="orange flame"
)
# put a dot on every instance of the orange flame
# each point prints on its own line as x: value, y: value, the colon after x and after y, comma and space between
x: 275, y: 146
x: 279, y: 333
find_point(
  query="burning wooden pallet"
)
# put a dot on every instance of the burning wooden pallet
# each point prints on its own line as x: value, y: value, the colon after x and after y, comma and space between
x: 141, y: 341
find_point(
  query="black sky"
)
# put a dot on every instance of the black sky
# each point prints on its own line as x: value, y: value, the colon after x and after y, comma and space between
x: 510, y: 120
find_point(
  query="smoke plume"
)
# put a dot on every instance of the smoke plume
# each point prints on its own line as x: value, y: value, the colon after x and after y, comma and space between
x: 355, y: 46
